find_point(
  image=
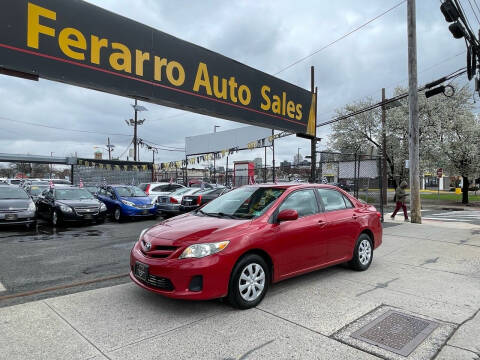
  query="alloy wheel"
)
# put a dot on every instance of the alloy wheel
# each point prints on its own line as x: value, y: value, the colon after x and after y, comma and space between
x: 364, y: 252
x: 251, y: 282
x: 117, y: 214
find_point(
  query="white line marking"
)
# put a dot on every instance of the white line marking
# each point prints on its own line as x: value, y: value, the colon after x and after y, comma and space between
x: 444, y: 219
x: 2, y: 288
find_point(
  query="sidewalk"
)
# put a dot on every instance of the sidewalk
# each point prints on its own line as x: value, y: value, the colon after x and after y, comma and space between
x: 428, y: 271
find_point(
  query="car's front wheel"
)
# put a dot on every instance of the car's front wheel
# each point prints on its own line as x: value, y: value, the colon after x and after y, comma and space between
x: 249, y: 282
x: 363, y: 253
x: 117, y: 214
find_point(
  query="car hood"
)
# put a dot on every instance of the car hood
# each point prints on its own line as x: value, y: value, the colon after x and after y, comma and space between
x: 11, y: 204
x: 189, y: 228
x: 79, y: 203
x: 144, y: 200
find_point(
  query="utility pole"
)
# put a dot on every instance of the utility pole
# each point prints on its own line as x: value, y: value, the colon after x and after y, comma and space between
x: 265, y: 167
x: 313, y: 142
x: 298, y: 157
x: 135, y: 133
x: 273, y: 155
x: 384, y: 150
x: 110, y: 149
x: 415, y: 204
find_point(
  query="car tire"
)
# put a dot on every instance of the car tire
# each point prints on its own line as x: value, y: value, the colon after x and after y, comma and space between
x: 249, y: 275
x: 363, y: 253
x: 117, y: 214
x: 56, y: 218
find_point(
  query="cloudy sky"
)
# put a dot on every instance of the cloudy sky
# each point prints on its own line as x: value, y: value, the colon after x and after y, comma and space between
x: 267, y: 35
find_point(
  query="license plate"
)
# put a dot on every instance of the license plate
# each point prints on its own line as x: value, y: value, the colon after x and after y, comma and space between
x: 141, y: 271
x: 11, y: 217
x: 144, y: 212
x: 87, y: 216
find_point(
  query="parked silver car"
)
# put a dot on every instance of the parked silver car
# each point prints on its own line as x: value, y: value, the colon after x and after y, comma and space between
x: 16, y: 206
x: 170, y: 204
x: 154, y: 190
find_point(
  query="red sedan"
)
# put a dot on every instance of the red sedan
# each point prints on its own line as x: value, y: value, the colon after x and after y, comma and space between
x: 243, y: 241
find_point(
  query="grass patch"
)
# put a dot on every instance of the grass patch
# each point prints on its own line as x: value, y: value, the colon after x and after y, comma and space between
x: 449, y: 197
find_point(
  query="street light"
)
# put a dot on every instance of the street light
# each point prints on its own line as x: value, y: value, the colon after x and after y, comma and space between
x: 134, y: 122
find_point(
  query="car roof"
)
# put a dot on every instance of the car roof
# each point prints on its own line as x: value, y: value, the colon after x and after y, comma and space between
x: 292, y: 185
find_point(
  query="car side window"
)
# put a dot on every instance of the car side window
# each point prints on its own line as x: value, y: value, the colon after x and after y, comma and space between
x: 303, y: 201
x: 110, y: 194
x: 332, y: 199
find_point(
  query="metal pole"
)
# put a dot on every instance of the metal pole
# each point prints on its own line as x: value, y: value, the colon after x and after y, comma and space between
x: 135, y: 133
x: 384, y: 150
x: 214, y: 169
x: 415, y: 204
x: 382, y: 186
x: 109, y: 150
x: 226, y: 173
x: 273, y: 155
x: 186, y: 170
x: 313, y: 142
x: 265, y: 167
x: 71, y: 174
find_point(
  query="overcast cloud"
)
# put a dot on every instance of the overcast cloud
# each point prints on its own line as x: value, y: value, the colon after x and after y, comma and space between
x: 267, y: 35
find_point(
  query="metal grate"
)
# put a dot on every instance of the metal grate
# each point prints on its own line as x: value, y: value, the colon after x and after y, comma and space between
x: 396, y: 332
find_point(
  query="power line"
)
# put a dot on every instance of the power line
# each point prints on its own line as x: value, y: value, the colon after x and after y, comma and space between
x: 474, y: 13
x: 476, y: 5
x: 340, y: 38
x: 396, y: 98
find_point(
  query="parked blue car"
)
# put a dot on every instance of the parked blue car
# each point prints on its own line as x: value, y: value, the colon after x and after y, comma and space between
x: 125, y: 201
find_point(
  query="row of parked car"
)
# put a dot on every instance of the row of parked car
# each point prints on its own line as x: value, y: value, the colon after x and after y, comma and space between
x: 59, y: 203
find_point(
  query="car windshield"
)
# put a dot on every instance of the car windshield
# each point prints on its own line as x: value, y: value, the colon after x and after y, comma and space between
x: 37, y: 190
x: 130, y: 191
x: 7, y: 192
x: 246, y: 202
x: 72, y: 194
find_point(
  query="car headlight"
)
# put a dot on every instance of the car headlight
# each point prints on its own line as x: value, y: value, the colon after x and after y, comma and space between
x: 202, y: 250
x: 129, y: 203
x: 66, y: 208
x: 31, y: 206
x: 103, y: 207
x: 153, y: 202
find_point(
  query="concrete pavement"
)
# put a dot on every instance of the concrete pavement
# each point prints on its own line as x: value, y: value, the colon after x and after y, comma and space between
x: 427, y: 271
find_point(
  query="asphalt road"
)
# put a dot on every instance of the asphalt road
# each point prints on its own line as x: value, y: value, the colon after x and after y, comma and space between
x: 47, y: 257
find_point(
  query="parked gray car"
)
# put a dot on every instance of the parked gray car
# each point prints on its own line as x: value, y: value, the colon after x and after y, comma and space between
x: 16, y: 206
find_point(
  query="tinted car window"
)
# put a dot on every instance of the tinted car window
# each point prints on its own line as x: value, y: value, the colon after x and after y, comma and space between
x: 130, y: 191
x: 7, y: 192
x: 72, y: 194
x: 245, y: 202
x: 332, y: 200
x: 303, y: 201
x: 161, y: 188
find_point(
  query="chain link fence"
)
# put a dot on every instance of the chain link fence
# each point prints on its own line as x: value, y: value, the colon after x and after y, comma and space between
x: 98, y: 172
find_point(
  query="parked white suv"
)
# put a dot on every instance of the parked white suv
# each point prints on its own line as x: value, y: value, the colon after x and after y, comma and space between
x: 154, y: 190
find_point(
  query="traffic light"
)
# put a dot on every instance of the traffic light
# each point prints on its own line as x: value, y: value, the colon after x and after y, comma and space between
x: 449, y: 10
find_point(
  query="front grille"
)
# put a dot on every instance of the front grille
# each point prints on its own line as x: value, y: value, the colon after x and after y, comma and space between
x: 87, y: 210
x: 16, y: 210
x: 160, y: 282
x: 148, y: 206
x: 158, y: 251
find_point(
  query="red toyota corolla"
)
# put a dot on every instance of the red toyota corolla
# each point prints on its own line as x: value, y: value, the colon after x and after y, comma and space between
x: 240, y: 243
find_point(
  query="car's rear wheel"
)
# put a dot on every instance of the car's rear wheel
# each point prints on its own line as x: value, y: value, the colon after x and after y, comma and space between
x: 249, y: 282
x: 363, y: 253
x: 117, y: 214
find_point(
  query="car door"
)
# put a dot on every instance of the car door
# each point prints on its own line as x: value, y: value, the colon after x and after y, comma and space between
x: 48, y: 203
x: 298, y: 244
x: 342, y: 227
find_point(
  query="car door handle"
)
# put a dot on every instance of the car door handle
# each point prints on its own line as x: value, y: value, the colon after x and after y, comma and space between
x: 321, y: 222
x: 354, y: 216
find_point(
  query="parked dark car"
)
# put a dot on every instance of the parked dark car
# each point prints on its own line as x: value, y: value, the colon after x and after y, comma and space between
x: 192, y: 202
x: 344, y: 186
x: 94, y: 190
x: 125, y: 201
x: 16, y: 207
x: 68, y: 203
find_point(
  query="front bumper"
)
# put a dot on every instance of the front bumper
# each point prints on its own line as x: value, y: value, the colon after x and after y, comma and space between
x: 214, y: 271
x: 73, y: 216
x: 139, y: 212
x: 19, y: 218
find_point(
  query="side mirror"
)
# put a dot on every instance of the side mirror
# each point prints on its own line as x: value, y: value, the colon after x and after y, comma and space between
x: 287, y: 215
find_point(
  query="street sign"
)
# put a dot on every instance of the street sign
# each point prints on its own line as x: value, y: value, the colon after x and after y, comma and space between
x: 440, y: 173
x: 78, y: 43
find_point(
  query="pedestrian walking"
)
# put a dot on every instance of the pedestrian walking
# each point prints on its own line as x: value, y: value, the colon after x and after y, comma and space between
x: 399, y: 198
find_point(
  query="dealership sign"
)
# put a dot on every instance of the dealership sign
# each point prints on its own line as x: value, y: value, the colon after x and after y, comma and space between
x: 78, y: 43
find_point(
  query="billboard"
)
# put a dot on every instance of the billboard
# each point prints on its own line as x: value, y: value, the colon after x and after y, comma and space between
x: 78, y: 43
x: 228, y: 139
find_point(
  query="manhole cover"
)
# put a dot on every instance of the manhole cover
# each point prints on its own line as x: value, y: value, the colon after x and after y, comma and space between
x: 396, y: 332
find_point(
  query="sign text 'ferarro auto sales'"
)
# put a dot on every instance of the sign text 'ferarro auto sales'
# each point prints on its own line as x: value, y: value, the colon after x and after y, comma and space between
x: 78, y: 43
